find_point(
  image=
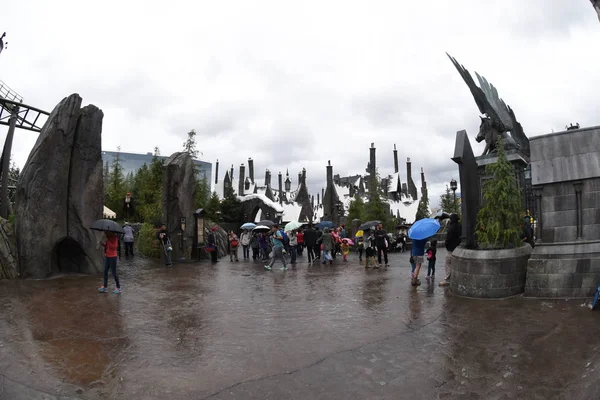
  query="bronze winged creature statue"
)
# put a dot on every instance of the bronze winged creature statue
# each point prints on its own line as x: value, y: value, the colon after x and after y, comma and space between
x: 596, y: 5
x: 2, y: 42
x: 498, y: 120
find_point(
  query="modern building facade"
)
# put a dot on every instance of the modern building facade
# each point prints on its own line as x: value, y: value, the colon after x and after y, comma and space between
x: 131, y: 162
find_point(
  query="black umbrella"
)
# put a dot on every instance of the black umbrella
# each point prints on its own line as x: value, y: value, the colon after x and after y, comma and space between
x: 368, y: 225
x: 106, y: 225
x: 266, y: 222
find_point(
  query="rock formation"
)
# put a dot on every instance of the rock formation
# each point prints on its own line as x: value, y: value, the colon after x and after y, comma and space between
x: 179, y: 189
x: 9, y: 262
x: 221, y: 236
x: 60, y: 194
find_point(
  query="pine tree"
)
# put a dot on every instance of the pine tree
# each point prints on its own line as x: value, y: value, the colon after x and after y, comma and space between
x: 202, y: 192
x: 189, y: 146
x: 116, y: 185
x: 376, y: 208
x: 498, y: 221
x: 213, y: 207
x: 356, y: 210
x: 231, y: 206
x: 423, y: 209
x: 448, y: 203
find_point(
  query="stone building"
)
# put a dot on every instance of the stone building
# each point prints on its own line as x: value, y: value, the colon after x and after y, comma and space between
x: 565, y: 174
x: 402, y: 199
x: 262, y: 201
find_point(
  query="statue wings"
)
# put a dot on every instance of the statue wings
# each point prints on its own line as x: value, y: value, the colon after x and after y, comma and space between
x: 490, y: 104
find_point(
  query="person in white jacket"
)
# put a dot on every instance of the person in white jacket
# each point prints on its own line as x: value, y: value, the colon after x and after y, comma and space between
x: 128, y: 233
x: 245, y: 241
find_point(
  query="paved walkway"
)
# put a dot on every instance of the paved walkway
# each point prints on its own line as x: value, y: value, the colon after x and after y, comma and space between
x: 236, y: 331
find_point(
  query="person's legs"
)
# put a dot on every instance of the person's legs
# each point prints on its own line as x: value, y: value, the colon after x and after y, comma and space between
x: 360, y: 253
x: 282, y: 258
x: 418, y: 262
x: 106, y: 268
x: 385, y: 257
x: 379, y: 250
x: 293, y: 254
x: 113, y: 266
x: 428, y: 268
x: 448, y: 268
x: 432, y: 266
x: 235, y: 254
x: 309, y: 253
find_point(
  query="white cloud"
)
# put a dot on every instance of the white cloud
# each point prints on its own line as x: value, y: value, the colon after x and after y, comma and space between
x: 295, y: 86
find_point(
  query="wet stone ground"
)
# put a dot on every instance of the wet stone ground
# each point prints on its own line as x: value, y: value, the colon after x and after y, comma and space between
x: 236, y: 331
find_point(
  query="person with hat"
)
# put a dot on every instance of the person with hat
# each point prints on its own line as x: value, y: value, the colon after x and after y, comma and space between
x: 128, y: 206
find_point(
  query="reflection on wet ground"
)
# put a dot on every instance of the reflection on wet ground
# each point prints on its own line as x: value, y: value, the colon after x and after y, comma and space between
x: 313, y: 332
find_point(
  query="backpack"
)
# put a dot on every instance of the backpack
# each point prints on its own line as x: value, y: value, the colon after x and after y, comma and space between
x: 284, y: 236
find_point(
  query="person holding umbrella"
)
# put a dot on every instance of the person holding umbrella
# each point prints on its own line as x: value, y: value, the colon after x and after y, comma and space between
x: 381, y: 242
x: 110, y: 261
x: 419, y: 232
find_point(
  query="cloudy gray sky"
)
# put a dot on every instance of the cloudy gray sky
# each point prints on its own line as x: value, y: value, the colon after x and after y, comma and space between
x: 294, y: 84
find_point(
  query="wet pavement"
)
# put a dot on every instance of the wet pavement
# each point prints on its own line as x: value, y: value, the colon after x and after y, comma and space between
x: 236, y: 331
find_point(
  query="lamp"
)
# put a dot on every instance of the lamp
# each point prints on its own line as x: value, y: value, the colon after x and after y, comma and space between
x: 453, y: 187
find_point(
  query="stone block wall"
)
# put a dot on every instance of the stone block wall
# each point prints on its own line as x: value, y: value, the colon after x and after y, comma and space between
x: 566, y: 177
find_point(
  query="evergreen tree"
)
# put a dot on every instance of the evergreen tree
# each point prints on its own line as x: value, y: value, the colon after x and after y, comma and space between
x: 448, y: 203
x: 376, y: 208
x: 498, y: 220
x: 189, y: 146
x: 423, y: 209
x: 13, y: 173
x: 356, y: 209
x: 231, y: 206
x: 116, y: 185
x: 213, y: 207
x: 106, y: 177
x: 202, y: 192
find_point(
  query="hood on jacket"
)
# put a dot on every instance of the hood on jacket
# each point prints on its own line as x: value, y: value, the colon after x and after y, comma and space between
x: 453, y: 218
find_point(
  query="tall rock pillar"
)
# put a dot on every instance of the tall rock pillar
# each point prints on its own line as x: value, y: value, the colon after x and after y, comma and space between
x: 242, y: 180
x: 412, y: 188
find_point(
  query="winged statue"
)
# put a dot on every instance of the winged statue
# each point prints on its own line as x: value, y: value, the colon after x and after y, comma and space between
x: 2, y: 42
x: 596, y: 5
x: 498, y: 120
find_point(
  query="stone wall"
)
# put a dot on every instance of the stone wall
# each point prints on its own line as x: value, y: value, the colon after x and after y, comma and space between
x: 9, y: 261
x: 565, y: 170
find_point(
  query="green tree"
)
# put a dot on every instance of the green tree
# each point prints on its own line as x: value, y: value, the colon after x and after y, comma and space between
x: 13, y: 173
x: 231, y: 206
x: 106, y: 178
x: 376, y: 208
x: 116, y: 185
x: 213, y: 207
x: 448, y: 202
x: 356, y: 210
x: 189, y: 146
x: 498, y: 220
x: 202, y: 192
x: 147, y: 190
x: 423, y: 209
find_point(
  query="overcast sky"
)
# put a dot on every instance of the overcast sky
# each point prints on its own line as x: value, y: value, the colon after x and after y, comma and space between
x: 294, y: 84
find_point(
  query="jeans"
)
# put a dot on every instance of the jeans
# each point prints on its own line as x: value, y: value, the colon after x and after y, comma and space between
x: 300, y: 248
x: 246, y: 250
x: 293, y: 254
x: 278, y: 255
x: 129, y: 248
x: 233, y: 253
x: 255, y: 253
x: 214, y: 256
x: 264, y: 253
x: 310, y: 252
x: 167, y: 255
x: 110, y: 263
x: 360, y: 253
x: 431, y: 267
x: 379, y: 251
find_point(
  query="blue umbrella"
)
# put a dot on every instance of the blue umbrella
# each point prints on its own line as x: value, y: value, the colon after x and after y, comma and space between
x: 325, y: 224
x: 248, y: 225
x: 424, y: 228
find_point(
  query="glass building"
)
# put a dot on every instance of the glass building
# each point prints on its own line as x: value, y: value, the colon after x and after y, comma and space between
x: 131, y: 162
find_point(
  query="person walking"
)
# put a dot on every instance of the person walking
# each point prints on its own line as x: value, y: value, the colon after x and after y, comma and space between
x: 417, y: 252
x: 233, y: 246
x: 310, y: 240
x: 263, y: 241
x: 293, y: 238
x: 319, y: 247
x: 369, y: 245
x: 165, y: 241
x: 255, y: 246
x: 110, y: 261
x: 245, y: 239
x: 345, y: 250
x: 278, y: 246
x: 452, y: 242
x: 328, y: 246
x: 128, y: 237
x: 212, y: 245
x: 431, y: 253
x: 300, y: 237
x: 361, y: 248
x: 381, y: 243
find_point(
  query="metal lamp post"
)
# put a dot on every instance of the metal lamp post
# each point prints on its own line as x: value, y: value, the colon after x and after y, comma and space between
x: 453, y: 187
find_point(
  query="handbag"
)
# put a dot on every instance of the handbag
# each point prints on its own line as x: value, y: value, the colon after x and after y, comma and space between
x: 210, y: 248
x: 234, y: 243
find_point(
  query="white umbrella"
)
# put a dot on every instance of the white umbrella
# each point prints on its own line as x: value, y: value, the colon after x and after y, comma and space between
x: 261, y: 228
x: 291, y: 226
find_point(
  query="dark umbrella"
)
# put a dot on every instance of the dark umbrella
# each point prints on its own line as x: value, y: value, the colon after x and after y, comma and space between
x: 325, y: 224
x: 368, y: 225
x: 402, y: 226
x: 441, y: 215
x: 107, y: 225
x: 266, y: 222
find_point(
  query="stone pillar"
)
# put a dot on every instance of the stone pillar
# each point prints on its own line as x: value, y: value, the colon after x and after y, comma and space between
x: 299, y: 178
x: 241, y: 182
x: 538, y: 206
x: 318, y: 199
x: 231, y: 174
x: 267, y: 178
x: 372, y: 161
x: 412, y: 188
x: 423, y: 184
x: 217, y: 172
x: 280, y: 181
x: 251, y: 169
x: 395, y: 160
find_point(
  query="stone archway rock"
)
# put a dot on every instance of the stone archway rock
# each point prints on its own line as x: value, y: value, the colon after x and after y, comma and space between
x: 60, y: 192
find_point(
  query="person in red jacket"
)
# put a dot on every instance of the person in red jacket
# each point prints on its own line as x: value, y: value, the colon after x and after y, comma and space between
x: 110, y: 261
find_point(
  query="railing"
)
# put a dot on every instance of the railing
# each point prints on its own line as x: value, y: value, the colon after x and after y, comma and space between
x: 9, y: 94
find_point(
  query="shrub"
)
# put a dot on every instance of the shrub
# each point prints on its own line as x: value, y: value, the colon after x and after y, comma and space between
x: 147, y: 243
x: 498, y: 221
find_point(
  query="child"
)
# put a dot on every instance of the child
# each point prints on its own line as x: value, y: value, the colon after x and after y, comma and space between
x: 370, y: 252
x: 345, y: 249
x: 431, y: 252
x: 233, y: 246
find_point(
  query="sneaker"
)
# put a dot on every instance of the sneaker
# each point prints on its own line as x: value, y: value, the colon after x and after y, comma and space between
x: 376, y: 266
x: 117, y: 291
x: 387, y: 265
x: 283, y: 268
x: 268, y: 267
x: 444, y: 283
x: 427, y: 278
x: 102, y: 289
